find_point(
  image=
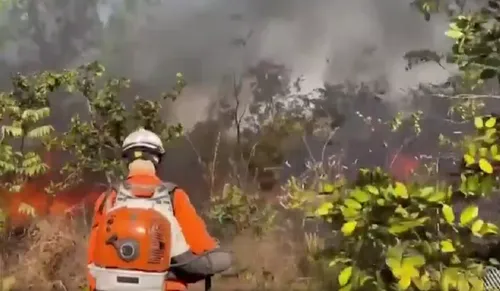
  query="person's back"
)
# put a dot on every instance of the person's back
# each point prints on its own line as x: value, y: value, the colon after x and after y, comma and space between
x: 191, y: 247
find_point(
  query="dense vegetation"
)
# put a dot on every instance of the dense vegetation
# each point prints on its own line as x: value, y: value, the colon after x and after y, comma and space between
x: 387, y: 234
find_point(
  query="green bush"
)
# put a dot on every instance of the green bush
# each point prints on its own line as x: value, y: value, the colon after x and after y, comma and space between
x: 408, y: 236
x: 235, y: 212
x: 403, y: 237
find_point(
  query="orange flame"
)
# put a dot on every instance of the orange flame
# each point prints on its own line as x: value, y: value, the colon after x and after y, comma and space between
x: 402, y: 166
x: 63, y: 203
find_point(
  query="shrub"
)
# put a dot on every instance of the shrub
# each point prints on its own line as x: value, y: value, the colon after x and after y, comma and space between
x: 402, y: 237
x: 408, y: 236
x: 235, y: 212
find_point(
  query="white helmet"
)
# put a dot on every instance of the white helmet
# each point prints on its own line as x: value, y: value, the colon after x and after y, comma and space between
x: 143, y: 138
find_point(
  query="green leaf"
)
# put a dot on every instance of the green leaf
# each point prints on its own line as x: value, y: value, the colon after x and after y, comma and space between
x: 398, y: 228
x: 349, y: 227
x: 324, y: 209
x: 494, y: 150
x: 426, y: 191
x: 469, y: 160
x: 472, y: 183
x: 40, y: 132
x: 13, y: 131
x: 454, y: 34
x: 349, y: 213
x: 448, y: 214
x: 402, y: 211
x: 477, y: 226
x: 448, y: 278
x: 404, y: 283
x: 472, y: 149
x: 408, y: 272
x: 454, y: 26
x: 489, y: 228
x: 395, y: 265
x: 423, y: 283
x: 463, y: 284
x: 372, y: 189
x: 414, y: 261
x: 438, y: 196
x: 476, y: 283
x: 447, y: 246
x: 351, y: 203
x: 478, y: 122
x: 345, y: 276
x: 360, y: 195
x: 400, y: 190
x: 490, y: 123
x: 327, y: 188
x: 485, y: 166
x: 469, y: 214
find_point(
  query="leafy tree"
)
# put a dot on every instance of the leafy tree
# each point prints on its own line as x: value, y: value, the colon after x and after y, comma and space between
x: 265, y: 127
x: 93, y: 142
x: 96, y: 142
x: 476, y: 39
x: 24, y: 109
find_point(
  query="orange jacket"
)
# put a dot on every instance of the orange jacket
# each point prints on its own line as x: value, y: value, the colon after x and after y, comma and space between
x: 193, y: 226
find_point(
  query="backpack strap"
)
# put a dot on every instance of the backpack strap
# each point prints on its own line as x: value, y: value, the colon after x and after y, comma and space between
x: 147, y: 187
x: 105, y: 201
x: 167, y: 186
x: 170, y: 188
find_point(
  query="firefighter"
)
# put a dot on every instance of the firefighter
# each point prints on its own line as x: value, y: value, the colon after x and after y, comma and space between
x: 145, y: 229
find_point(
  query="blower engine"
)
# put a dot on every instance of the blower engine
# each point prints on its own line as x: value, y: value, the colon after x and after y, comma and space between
x: 132, y: 251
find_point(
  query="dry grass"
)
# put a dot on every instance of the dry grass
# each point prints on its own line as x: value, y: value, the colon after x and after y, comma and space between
x: 49, y: 256
x: 266, y: 263
x: 52, y: 256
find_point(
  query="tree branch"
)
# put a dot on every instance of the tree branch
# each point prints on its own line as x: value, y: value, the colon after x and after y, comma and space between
x: 467, y: 96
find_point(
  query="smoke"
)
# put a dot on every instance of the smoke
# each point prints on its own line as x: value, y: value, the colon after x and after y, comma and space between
x: 323, y: 40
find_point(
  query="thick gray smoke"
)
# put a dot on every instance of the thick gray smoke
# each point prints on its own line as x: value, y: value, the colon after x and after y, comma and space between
x: 323, y: 40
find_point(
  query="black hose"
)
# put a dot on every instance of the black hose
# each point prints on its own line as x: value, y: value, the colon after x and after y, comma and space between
x: 197, y: 257
x: 208, y: 283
